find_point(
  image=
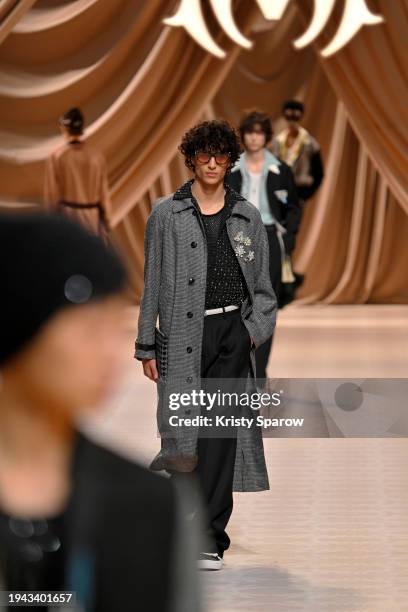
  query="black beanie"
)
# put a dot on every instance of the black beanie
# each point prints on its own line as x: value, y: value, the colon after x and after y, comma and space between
x: 48, y: 263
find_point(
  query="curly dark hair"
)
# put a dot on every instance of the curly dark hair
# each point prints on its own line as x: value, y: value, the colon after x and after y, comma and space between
x: 256, y: 118
x: 217, y: 136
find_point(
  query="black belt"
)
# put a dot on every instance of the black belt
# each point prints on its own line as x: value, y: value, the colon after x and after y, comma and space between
x: 78, y: 205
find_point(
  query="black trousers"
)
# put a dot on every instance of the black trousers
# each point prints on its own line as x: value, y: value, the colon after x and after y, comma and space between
x: 225, y: 355
x: 275, y: 270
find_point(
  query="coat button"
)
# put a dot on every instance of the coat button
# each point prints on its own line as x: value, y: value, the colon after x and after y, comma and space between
x: 189, y: 349
x: 191, y: 281
x: 190, y: 315
x: 193, y: 244
x: 189, y: 379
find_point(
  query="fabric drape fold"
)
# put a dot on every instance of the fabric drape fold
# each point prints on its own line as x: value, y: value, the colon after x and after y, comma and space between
x: 11, y: 12
x: 141, y: 85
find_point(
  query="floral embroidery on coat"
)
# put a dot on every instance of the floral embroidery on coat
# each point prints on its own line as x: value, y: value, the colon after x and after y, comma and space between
x: 243, y: 241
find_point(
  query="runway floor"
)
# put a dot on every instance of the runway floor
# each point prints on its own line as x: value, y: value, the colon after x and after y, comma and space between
x: 332, y: 532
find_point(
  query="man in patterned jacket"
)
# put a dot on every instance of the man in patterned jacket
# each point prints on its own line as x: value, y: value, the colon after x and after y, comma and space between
x: 207, y: 279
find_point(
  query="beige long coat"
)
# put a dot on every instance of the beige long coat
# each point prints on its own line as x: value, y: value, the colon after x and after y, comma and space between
x: 76, y: 173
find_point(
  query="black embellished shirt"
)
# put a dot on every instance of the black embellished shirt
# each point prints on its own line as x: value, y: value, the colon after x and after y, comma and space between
x: 225, y: 280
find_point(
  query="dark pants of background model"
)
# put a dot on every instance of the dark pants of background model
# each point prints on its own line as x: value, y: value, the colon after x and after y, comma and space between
x: 275, y: 270
x: 225, y: 354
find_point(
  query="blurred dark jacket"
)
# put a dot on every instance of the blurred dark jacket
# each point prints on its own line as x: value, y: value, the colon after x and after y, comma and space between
x: 125, y: 541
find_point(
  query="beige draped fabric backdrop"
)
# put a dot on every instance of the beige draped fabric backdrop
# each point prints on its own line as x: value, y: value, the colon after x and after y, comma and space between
x: 142, y: 84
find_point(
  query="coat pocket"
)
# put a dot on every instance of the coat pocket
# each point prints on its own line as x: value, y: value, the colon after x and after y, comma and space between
x: 162, y: 342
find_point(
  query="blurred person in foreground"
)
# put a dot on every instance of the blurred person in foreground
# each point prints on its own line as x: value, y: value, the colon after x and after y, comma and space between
x: 73, y: 515
x: 268, y: 184
x: 207, y: 280
x: 76, y: 181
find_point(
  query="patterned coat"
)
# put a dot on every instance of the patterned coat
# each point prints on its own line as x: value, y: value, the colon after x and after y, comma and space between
x: 174, y: 290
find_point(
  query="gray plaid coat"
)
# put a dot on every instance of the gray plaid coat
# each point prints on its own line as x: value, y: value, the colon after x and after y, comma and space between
x: 174, y: 285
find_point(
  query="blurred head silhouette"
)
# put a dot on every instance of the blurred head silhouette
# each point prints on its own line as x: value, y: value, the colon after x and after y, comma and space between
x: 61, y: 313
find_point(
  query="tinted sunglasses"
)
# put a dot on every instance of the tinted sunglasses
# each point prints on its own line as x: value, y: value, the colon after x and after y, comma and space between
x: 203, y: 157
x: 293, y: 116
